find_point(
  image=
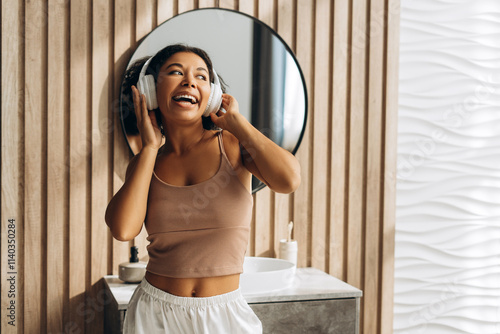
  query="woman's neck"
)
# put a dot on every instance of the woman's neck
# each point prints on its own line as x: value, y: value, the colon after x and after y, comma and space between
x: 180, y: 140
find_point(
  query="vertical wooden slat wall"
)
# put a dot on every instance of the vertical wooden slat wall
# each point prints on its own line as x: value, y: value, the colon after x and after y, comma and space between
x: 63, y: 153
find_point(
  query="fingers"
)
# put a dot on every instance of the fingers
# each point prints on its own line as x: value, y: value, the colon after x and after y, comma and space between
x: 229, y: 103
x: 137, y: 102
x: 214, y: 118
x: 224, y: 105
x: 226, y: 99
x: 144, y: 106
x: 228, y: 106
x: 140, y: 105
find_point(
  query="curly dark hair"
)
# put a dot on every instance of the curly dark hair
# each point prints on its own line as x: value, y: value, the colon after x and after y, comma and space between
x: 132, y: 76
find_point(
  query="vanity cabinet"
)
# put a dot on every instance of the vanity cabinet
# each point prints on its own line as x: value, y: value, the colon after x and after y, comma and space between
x: 315, y: 303
x: 309, y: 316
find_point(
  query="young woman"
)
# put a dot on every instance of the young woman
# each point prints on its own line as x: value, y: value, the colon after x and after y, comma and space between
x: 193, y: 194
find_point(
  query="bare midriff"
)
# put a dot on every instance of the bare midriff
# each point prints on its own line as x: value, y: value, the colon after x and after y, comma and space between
x: 195, y: 287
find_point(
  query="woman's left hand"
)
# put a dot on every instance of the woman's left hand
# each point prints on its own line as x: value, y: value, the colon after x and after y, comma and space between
x: 273, y: 165
x: 227, y: 120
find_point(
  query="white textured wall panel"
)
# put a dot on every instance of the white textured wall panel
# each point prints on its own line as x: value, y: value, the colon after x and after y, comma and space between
x: 447, y: 268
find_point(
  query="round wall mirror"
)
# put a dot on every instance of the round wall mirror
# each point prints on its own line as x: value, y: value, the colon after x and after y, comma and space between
x: 258, y: 67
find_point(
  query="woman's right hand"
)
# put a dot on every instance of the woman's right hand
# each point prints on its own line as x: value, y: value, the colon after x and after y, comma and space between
x: 146, y: 121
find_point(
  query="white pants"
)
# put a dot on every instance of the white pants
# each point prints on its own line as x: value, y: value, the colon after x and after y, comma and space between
x: 152, y: 310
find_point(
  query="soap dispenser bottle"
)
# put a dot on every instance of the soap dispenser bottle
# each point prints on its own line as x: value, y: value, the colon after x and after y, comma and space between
x: 133, y: 271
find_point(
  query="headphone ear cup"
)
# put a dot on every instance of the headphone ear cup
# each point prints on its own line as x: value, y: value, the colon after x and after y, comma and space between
x: 209, y: 107
x: 215, y: 99
x: 146, y: 85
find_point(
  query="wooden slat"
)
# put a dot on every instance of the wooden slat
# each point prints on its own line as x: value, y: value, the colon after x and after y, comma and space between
x: 281, y: 219
x: 79, y: 151
x: 165, y: 10
x: 34, y: 163
x: 389, y: 175
x: 373, y: 164
x: 302, y: 200
x: 123, y: 42
x: 285, y: 24
x: 185, y: 5
x: 12, y: 105
x: 266, y: 12
x: 144, y: 18
x: 263, y: 203
x: 229, y: 4
x: 101, y: 134
x: 206, y: 3
x: 357, y: 123
x: 337, y: 265
x: 320, y: 123
x: 247, y: 6
x: 57, y: 171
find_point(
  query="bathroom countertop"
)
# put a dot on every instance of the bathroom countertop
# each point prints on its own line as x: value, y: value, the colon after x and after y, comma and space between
x: 308, y: 284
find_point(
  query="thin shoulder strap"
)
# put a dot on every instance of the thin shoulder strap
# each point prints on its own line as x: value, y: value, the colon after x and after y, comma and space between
x: 221, y: 144
x: 224, y: 156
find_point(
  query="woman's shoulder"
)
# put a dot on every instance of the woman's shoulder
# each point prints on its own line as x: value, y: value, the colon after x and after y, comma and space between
x: 231, y: 147
x: 229, y: 140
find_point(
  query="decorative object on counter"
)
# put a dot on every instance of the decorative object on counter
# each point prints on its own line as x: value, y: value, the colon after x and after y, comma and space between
x: 288, y: 247
x: 133, y: 271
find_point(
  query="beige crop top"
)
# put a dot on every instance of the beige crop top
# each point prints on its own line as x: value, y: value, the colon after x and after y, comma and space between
x: 200, y: 230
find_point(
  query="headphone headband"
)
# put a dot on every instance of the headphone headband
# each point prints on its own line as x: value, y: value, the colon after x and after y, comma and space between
x: 145, y: 67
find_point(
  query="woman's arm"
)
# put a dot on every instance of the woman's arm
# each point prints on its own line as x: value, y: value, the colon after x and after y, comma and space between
x: 126, y: 211
x: 273, y: 165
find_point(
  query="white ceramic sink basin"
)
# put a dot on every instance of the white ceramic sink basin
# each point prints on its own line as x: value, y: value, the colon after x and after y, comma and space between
x: 263, y: 274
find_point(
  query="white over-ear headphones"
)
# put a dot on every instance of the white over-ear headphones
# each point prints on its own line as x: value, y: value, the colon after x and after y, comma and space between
x: 146, y: 85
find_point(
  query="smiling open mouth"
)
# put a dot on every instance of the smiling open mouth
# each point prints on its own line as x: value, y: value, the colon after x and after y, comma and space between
x: 185, y: 98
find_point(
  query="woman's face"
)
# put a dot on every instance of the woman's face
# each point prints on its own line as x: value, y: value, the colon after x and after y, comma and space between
x: 183, y: 87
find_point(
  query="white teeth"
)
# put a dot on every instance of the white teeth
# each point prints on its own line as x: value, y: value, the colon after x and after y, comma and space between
x: 192, y: 98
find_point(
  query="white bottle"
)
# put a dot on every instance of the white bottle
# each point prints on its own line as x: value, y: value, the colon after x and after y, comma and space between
x: 133, y: 271
x: 288, y: 250
x: 288, y: 247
